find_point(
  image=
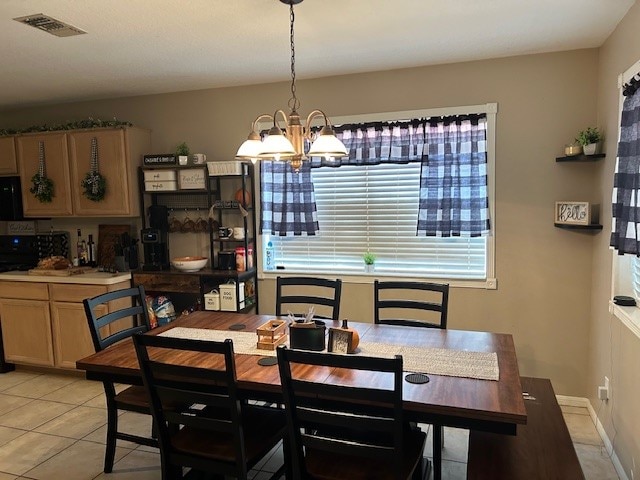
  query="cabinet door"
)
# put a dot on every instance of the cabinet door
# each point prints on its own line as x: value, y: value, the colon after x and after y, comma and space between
x: 26, y: 331
x: 57, y: 169
x: 112, y: 165
x: 8, y: 163
x: 71, y: 337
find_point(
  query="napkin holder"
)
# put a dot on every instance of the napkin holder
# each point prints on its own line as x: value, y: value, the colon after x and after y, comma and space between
x: 307, y: 335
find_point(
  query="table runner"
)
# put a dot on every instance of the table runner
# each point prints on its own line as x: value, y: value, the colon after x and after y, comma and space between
x: 435, y: 361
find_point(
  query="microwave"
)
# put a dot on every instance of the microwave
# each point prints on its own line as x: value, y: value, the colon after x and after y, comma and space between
x: 10, y: 199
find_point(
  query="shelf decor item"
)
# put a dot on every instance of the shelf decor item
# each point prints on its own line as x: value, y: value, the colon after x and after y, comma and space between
x: 94, y: 185
x: 369, y: 261
x: 572, y: 149
x: 574, y: 213
x: 42, y: 187
x: 589, y: 140
x: 182, y: 152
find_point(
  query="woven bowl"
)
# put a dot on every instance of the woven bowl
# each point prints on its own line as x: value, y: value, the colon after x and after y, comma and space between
x: 189, y: 264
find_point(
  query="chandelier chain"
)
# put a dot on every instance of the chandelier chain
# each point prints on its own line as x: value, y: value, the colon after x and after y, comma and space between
x: 294, y: 103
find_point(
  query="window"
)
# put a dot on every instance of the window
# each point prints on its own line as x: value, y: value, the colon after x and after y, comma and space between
x: 375, y: 208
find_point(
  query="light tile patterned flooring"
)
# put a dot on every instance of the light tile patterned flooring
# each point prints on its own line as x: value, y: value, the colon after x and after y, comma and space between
x: 53, y: 427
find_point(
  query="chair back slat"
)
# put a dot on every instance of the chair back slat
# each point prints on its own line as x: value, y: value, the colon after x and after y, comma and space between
x: 356, y: 420
x: 298, y: 293
x: 402, y: 303
x: 134, y: 308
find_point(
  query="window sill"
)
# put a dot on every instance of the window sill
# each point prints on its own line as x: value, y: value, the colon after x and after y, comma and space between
x: 364, y: 278
x: 629, y: 316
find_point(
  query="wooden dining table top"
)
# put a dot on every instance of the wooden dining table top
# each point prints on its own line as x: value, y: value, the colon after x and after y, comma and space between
x: 454, y: 401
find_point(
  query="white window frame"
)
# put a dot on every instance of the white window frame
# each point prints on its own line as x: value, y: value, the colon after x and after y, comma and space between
x: 491, y: 110
x: 622, y: 269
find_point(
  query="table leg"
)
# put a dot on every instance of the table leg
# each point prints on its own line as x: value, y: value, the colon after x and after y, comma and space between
x: 437, y: 452
x: 422, y: 470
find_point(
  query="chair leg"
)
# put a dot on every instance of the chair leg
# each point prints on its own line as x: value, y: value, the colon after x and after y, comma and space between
x: 437, y: 451
x: 112, y: 428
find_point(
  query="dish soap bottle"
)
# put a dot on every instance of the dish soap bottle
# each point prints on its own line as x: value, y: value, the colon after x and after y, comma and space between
x: 269, y: 260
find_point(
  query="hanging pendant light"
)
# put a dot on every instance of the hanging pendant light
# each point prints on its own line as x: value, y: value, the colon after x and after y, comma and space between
x: 289, y: 144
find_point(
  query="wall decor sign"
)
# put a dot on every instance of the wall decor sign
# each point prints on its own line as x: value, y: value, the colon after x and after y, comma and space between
x: 339, y: 340
x: 573, y: 213
x: 191, y: 179
x: 159, y: 159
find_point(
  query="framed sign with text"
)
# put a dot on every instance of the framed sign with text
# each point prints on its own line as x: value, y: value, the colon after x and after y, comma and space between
x: 573, y: 213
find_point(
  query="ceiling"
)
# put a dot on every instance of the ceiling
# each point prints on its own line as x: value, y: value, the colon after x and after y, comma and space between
x: 137, y: 47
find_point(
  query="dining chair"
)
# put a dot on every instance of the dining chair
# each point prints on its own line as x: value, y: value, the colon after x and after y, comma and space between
x: 126, y: 307
x: 215, y: 432
x: 309, y: 291
x: 339, y: 431
x: 414, y: 304
x: 408, y: 303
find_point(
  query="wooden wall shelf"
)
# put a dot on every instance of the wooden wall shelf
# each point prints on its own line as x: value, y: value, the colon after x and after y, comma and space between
x: 581, y: 158
x: 588, y: 228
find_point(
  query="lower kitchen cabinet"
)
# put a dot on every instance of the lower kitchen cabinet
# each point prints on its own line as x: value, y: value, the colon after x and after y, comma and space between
x: 44, y: 324
x: 26, y: 331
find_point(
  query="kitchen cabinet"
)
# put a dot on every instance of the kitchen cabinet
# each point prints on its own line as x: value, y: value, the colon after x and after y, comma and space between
x: 56, y: 168
x: 8, y: 162
x: 68, y: 160
x: 43, y: 323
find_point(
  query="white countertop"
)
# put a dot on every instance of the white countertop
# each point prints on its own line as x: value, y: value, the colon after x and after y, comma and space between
x: 94, y: 278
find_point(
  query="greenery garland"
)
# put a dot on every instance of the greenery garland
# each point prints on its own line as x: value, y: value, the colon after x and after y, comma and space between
x: 89, y: 123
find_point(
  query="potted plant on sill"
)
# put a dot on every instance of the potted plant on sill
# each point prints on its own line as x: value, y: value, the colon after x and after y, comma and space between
x: 369, y: 261
x: 589, y: 140
x: 182, y: 152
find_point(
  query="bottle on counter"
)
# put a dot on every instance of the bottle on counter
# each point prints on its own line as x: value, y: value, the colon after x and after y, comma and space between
x: 80, y: 248
x: 84, y: 260
x: 91, y: 252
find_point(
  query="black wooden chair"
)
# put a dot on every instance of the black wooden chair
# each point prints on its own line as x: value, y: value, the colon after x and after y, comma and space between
x: 404, y: 303
x: 308, y: 291
x: 127, y: 308
x: 347, y: 432
x: 215, y: 431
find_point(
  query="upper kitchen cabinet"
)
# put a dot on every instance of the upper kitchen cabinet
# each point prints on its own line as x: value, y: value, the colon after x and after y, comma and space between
x: 49, y: 152
x: 8, y: 163
x: 115, y: 154
x: 110, y: 155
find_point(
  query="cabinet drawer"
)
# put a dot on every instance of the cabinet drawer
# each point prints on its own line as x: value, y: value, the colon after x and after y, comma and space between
x: 24, y: 290
x: 160, y: 283
x: 74, y: 293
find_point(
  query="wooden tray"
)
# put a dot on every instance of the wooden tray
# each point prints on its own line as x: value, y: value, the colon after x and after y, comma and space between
x: 66, y: 272
x: 271, y: 334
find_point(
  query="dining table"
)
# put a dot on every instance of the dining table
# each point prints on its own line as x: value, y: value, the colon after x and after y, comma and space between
x: 448, y: 398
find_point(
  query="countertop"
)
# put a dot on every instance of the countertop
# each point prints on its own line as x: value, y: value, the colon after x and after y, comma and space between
x: 94, y: 278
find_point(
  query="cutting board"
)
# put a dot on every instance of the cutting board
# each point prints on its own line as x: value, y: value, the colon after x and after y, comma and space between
x: 65, y: 272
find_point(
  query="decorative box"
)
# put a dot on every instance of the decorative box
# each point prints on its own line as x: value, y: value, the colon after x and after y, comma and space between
x: 162, y: 186
x: 229, y: 301
x: 159, y: 175
x: 271, y: 334
x: 224, y: 168
x: 191, y: 179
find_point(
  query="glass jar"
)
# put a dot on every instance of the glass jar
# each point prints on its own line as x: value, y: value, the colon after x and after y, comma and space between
x: 240, y: 259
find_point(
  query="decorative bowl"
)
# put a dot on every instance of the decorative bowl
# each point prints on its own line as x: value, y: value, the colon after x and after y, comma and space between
x: 189, y: 264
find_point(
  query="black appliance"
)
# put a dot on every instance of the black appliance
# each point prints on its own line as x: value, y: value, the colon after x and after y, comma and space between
x: 18, y: 252
x: 226, y: 260
x: 156, y: 249
x: 10, y: 199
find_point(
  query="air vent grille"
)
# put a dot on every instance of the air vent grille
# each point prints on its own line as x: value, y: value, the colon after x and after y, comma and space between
x: 50, y: 25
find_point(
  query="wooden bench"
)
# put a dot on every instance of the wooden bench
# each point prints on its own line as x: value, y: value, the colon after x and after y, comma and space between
x: 542, y: 449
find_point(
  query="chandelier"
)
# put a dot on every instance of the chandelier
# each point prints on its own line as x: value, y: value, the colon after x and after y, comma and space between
x: 289, y: 145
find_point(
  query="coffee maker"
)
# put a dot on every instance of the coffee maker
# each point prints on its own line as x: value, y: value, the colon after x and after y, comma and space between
x: 155, y: 240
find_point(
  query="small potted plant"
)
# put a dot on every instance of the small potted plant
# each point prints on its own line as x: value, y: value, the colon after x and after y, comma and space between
x: 589, y: 139
x: 182, y: 151
x: 369, y: 261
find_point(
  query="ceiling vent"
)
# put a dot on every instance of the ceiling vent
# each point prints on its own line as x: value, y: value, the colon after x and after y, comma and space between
x: 50, y: 25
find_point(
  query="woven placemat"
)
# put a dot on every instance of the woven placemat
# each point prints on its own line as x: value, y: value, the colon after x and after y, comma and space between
x: 435, y: 361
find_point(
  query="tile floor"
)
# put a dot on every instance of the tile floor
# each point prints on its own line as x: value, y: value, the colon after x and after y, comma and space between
x: 53, y: 427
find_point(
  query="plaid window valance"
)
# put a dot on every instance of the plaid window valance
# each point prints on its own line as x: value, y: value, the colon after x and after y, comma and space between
x: 453, y: 188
